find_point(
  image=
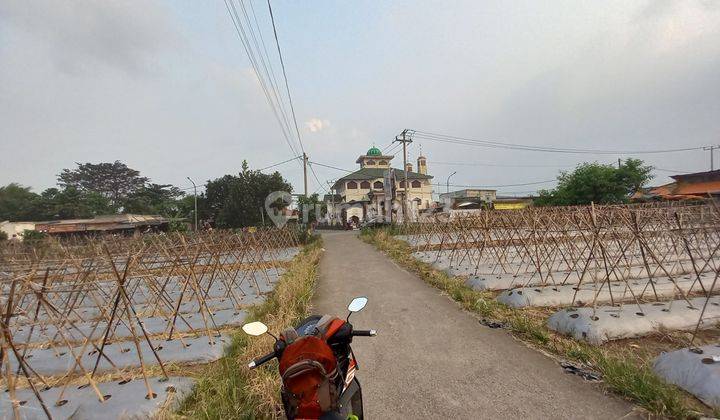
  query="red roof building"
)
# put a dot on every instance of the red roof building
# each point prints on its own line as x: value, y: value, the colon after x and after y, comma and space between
x: 697, y: 185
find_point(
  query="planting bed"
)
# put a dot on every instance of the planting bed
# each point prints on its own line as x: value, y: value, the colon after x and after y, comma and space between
x: 612, y: 272
x: 79, y: 312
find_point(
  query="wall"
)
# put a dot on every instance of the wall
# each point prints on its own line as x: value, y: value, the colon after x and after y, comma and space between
x: 16, y: 228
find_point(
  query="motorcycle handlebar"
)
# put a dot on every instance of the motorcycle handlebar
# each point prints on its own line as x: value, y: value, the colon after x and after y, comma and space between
x: 261, y: 360
x: 268, y: 357
x: 364, y: 333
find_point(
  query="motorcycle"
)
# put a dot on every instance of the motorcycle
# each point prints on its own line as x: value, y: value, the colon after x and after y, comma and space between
x: 317, y: 366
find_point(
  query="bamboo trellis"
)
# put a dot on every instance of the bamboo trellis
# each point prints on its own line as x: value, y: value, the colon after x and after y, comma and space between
x: 74, y: 297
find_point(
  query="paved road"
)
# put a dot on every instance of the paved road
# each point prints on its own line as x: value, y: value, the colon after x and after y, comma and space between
x: 432, y: 360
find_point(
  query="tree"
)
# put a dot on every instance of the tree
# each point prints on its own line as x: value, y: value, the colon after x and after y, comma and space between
x: 594, y: 182
x: 16, y: 202
x: 237, y: 201
x: 309, y: 205
x: 154, y: 199
x: 70, y: 203
x: 114, y: 181
x: 634, y: 175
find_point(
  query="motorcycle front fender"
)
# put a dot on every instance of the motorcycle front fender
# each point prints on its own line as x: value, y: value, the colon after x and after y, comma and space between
x: 351, y: 401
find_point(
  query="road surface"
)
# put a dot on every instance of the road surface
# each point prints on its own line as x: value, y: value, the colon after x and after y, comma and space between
x: 433, y: 360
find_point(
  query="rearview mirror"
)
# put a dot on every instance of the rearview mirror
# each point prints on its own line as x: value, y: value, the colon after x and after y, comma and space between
x: 357, y: 304
x: 255, y: 328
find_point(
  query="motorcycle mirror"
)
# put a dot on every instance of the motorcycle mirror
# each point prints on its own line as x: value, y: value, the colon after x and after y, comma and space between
x: 357, y: 304
x: 255, y: 328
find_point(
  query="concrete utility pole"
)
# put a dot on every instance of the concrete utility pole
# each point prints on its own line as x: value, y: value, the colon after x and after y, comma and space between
x: 447, y: 186
x: 305, y: 163
x: 404, y: 138
x: 195, y: 194
x: 711, y: 149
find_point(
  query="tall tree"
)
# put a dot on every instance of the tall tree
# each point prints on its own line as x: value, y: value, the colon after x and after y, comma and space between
x: 114, y: 181
x: 154, y: 199
x: 594, y: 182
x: 237, y: 201
x: 70, y: 203
x: 16, y: 202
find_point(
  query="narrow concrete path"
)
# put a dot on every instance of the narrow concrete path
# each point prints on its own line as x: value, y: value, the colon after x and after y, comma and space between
x: 432, y: 360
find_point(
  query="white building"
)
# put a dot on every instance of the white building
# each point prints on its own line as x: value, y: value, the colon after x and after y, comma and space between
x: 369, y: 190
x: 16, y: 229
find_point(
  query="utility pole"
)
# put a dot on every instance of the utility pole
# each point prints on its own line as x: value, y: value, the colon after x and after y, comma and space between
x: 305, y: 163
x: 404, y: 138
x: 447, y: 186
x: 195, y: 194
x: 711, y: 149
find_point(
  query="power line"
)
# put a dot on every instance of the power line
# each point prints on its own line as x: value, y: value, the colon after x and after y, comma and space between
x: 287, y: 86
x: 264, y: 58
x: 672, y: 170
x: 500, y: 165
x: 317, y: 180
x: 497, y: 186
x: 331, y: 167
x: 239, y: 29
x: 279, y: 163
x: 389, y: 147
x: 512, y: 146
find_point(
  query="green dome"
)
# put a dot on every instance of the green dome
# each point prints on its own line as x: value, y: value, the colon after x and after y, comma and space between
x: 374, y: 151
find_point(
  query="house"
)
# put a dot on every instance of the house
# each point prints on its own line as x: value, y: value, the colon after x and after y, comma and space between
x: 473, y: 199
x: 468, y: 199
x: 512, y: 203
x: 696, y: 185
x: 377, y: 187
x: 112, y: 223
x: 16, y: 229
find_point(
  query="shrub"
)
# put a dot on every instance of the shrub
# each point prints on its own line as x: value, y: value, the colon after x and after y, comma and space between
x: 33, y: 235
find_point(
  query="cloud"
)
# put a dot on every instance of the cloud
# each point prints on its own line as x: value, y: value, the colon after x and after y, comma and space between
x: 79, y: 35
x: 316, y: 125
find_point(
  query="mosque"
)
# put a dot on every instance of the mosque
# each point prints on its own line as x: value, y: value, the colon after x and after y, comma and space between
x: 371, y: 189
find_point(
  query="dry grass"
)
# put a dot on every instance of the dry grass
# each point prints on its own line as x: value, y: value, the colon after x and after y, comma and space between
x: 625, y: 371
x: 228, y: 389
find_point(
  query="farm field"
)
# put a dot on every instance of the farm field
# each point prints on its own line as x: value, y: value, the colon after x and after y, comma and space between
x: 634, y: 277
x: 115, y: 326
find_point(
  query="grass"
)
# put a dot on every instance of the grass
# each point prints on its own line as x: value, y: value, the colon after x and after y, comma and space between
x: 227, y: 388
x: 623, y: 373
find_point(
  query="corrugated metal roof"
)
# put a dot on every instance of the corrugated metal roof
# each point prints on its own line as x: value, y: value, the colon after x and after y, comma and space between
x: 101, y: 223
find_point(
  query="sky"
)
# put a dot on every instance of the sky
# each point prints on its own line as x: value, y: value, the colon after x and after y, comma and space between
x: 166, y: 86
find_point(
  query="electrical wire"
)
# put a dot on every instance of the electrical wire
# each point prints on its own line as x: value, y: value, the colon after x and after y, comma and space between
x: 239, y: 29
x: 331, y: 167
x: 264, y: 58
x: 496, y: 186
x: 280, y: 163
x: 512, y: 146
x: 672, y: 170
x: 287, y: 86
x: 499, y: 165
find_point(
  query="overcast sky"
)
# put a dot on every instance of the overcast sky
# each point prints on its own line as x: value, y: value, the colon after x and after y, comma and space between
x: 166, y: 87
